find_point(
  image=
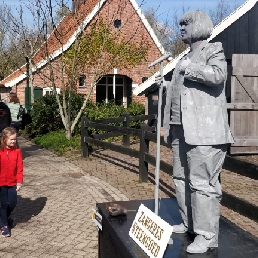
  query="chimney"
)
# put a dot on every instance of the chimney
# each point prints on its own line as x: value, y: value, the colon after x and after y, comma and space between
x: 76, y: 5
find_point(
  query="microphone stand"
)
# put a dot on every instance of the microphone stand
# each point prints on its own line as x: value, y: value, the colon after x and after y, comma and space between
x: 157, y: 169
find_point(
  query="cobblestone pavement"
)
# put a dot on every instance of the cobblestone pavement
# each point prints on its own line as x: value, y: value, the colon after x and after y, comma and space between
x: 54, y: 208
x: 54, y: 205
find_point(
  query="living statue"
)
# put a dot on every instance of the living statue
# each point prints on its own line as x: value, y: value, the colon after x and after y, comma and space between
x: 196, y: 124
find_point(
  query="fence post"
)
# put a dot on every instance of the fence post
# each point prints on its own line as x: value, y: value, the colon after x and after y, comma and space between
x: 84, y: 132
x: 144, y: 148
x: 126, y: 123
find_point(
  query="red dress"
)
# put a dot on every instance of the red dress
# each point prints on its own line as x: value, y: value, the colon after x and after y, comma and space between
x: 11, y: 171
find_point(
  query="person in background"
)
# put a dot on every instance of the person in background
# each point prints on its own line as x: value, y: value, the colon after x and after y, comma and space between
x: 11, y: 177
x: 196, y: 124
x: 5, y: 116
x: 17, y: 111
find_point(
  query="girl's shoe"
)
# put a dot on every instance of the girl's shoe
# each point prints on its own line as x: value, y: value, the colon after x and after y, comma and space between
x: 5, y: 231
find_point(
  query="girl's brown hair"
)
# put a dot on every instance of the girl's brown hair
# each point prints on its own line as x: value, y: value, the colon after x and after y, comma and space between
x: 6, y: 133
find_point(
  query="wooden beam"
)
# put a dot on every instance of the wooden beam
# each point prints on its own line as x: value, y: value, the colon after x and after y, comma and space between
x: 242, y: 106
x: 245, y: 71
x: 245, y: 141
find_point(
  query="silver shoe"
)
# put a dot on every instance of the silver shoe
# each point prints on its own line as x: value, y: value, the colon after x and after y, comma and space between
x: 180, y: 229
x: 201, y: 245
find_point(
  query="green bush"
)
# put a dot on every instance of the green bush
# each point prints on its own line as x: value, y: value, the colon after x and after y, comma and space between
x: 111, y: 110
x: 57, y: 141
x: 47, y: 125
x: 135, y: 109
x: 46, y: 117
x: 103, y: 110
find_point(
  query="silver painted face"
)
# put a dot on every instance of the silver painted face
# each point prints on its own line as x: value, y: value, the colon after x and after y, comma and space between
x: 186, y: 32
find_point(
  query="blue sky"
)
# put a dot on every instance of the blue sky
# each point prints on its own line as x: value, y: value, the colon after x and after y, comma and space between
x: 164, y: 8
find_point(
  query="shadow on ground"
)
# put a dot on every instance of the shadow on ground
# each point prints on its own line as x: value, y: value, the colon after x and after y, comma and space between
x: 27, y: 208
x: 166, y: 188
x: 30, y: 150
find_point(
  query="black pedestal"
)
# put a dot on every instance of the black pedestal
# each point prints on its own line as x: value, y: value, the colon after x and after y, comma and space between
x: 114, y: 240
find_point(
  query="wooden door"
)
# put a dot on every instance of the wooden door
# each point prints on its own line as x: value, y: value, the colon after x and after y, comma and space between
x: 244, y: 104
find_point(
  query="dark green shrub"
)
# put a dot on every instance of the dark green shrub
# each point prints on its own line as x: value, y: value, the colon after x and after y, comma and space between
x: 57, y: 141
x: 46, y: 117
x: 111, y: 110
x: 135, y: 109
x: 103, y: 110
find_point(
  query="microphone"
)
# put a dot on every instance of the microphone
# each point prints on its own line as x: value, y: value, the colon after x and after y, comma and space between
x: 164, y: 57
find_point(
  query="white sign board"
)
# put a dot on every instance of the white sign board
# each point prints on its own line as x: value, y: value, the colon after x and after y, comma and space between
x: 150, y: 232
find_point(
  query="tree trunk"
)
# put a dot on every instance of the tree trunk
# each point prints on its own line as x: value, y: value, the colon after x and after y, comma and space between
x: 68, y: 134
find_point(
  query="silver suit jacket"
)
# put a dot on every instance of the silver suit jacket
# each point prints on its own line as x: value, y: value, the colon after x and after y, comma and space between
x: 203, y: 100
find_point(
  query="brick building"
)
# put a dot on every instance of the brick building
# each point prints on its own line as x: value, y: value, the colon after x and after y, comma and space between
x: 126, y: 17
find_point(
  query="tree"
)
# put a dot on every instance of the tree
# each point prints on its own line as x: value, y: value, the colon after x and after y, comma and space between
x: 7, y: 55
x: 61, y: 13
x: 222, y: 10
x: 168, y: 32
x: 98, y: 49
x: 95, y: 52
x: 24, y: 37
x: 163, y: 31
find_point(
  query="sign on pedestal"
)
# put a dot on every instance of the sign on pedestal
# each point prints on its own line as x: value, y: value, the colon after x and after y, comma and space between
x: 150, y: 232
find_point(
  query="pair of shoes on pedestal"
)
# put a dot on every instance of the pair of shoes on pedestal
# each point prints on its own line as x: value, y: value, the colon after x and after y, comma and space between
x: 181, y: 228
x: 201, y: 245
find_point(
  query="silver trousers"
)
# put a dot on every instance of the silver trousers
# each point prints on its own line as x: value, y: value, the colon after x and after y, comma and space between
x: 196, y: 172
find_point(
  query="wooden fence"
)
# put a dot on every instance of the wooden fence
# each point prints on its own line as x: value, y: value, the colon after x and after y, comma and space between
x: 146, y: 134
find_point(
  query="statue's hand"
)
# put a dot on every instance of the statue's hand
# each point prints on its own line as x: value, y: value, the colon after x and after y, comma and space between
x: 184, y: 64
x: 158, y: 79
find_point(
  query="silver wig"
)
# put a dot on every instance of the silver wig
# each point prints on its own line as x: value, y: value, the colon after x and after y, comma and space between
x: 202, y: 24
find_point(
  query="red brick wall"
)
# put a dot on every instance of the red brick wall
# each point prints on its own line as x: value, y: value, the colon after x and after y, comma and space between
x: 131, y: 29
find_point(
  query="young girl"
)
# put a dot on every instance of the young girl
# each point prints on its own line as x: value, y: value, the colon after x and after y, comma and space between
x: 11, y: 177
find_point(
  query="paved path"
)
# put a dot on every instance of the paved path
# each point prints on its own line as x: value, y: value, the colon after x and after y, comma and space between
x: 54, y: 208
x: 54, y: 205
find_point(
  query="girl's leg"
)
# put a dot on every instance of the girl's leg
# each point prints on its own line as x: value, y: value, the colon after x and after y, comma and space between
x: 4, y: 205
x: 12, y: 200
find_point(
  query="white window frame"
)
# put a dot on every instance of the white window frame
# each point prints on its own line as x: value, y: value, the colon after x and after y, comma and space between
x: 50, y: 90
x: 111, y: 85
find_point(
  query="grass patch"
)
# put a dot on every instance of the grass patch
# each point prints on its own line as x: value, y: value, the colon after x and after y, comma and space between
x: 57, y: 141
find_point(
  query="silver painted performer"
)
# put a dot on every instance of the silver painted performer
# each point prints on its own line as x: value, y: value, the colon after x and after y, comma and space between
x: 196, y: 124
